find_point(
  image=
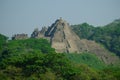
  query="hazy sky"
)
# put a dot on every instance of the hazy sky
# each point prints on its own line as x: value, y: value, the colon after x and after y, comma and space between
x: 22, y: 16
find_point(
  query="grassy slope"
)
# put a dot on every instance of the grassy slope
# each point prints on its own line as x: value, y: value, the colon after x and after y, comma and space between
x: 86, y: 58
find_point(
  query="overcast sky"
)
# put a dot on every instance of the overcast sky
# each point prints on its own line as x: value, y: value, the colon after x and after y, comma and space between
x: 22, y: 16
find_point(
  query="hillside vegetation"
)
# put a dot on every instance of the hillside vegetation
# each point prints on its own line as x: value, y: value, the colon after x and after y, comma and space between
x: 90, y: 60
x: 3, y: 40
x: 108, y: 35
x: 34, y: 59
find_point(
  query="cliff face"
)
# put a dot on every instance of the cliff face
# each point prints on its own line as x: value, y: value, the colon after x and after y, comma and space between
x: 63, y: 39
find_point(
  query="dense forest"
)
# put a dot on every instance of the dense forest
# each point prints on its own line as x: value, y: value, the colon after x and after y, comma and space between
x: 108, y: 35
x: 34, y: 59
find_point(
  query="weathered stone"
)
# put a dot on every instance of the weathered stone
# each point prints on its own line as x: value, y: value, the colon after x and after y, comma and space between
x: 39, y: 34
x: 63, y: 39
x: 19, y: 36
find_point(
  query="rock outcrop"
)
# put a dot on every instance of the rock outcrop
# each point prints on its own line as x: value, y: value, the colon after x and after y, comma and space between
x: 64, y: 40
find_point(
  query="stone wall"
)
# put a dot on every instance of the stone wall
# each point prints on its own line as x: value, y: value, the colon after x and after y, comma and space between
x: 19, y: 36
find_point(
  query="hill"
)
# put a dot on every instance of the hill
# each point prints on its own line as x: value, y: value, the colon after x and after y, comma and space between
x: 108, y: 35
x: 64, y: 40
x: 40, y: 58
x: 34, y: 59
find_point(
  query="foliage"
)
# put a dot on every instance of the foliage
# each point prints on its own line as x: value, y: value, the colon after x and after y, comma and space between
x: 83, y: 30
x: 3, y: 40
x: 108, y: 35
x: 34, y: 59
x: 86, y: 58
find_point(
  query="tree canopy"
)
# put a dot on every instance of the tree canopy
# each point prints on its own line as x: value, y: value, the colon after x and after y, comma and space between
x: 108, y: 35
x: 34, y: 59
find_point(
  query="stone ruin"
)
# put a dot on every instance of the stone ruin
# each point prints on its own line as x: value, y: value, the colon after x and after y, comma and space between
x: 64, y: 40
x: 39, y: 34
x: 19, y: 36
